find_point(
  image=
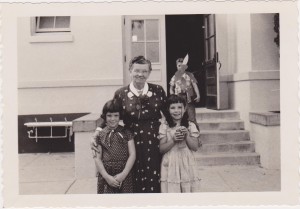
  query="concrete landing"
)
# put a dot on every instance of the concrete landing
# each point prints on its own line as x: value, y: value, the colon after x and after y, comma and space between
x: 54, y: 174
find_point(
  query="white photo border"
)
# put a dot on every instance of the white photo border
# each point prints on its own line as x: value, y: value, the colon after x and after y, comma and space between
x: 289, y: 194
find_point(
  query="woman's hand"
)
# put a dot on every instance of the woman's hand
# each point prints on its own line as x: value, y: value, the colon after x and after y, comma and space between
x: 112, y: 181
x: 120, y: 177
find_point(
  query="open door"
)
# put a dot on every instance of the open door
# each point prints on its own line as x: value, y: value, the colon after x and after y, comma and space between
x: 210, y: 63
x: 145, y: 35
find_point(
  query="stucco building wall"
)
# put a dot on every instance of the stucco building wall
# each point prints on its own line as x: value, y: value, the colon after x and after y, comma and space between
x: 74, y: 76
x: 251, y: 66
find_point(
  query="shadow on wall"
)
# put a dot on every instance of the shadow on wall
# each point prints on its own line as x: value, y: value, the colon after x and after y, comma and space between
x: 44, y: 145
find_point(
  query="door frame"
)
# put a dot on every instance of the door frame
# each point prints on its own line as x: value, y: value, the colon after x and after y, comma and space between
x: 211, y: 62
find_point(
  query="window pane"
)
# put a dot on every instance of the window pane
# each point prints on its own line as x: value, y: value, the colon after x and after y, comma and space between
x: 137, y: 28
x: 211, y: 90
x: 153, y: 52
x: 211, y: 73
x: 138, y: 49
x: 46, y: 22
x: 152, y: 30
x: 62, y: 22
x: 211, y: 25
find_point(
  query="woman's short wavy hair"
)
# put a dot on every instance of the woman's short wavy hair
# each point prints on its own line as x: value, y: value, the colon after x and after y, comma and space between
x: 140, y: 60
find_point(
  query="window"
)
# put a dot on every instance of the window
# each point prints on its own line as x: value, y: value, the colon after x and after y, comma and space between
x: 145, y: 39
x: 50, y: 29
x: 48, y: 24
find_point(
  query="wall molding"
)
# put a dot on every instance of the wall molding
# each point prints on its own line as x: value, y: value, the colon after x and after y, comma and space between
x: 70, y: 83
x: 252, y: 76
x: 50, y: 38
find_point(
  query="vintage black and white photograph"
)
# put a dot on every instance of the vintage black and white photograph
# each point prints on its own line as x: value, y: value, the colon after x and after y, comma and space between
x: 125, y: 103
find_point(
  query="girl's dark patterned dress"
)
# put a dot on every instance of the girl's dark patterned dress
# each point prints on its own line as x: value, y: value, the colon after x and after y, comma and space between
x: 115, y: 154
x: 141, y: 115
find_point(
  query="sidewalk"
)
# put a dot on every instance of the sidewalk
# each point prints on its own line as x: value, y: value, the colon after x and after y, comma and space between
x: 54, y: 173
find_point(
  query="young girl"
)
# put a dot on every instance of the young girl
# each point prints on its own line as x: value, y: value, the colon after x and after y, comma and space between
x: 178, y: 139
x: 117, y: 153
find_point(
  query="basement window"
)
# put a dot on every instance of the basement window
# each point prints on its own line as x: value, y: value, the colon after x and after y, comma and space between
x: 51, y: 29
x: 53, y: 24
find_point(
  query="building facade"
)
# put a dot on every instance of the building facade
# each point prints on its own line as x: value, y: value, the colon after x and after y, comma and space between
x: 73, y: 65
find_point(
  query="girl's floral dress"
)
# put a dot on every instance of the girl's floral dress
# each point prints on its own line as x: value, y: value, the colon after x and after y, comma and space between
x: 178, y: 167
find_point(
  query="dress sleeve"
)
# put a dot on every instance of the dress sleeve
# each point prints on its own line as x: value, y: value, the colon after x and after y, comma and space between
x: 118, y: 97
x: 99, y: 136
x: 96, y: 135
x: 193, y: 130
x: 172, y: 81
x: 192, y: 77
x: 162, y: 131
x: 128, y: 135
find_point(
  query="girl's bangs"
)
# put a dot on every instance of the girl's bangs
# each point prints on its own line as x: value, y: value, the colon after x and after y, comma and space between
x: 173, y: 99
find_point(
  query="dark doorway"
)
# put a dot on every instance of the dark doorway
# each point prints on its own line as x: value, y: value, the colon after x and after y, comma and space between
x: 184, y: 34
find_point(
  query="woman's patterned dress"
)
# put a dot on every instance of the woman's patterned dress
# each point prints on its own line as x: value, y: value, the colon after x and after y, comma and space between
x: 115, y: 154
x: 141, y: 115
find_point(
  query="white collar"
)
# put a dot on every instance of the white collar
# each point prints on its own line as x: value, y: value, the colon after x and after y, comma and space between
x: 135, y: 91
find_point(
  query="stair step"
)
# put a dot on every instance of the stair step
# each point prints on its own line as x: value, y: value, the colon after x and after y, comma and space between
x: 243, y: 146
x: 221, y: 125
x: 227, y: 159
x: 204, y: 114
x: 219, y: 137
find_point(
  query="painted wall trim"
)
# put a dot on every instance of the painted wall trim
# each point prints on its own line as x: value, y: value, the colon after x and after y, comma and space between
x: 42, y: 38
x: 70, y: 83
x: 251, y: 76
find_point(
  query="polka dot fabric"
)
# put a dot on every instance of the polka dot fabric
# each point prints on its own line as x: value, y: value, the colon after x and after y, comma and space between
x: 115, y: 154
x: 141, y: 115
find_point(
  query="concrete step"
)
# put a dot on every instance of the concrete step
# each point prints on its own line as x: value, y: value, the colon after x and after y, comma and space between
x: 227, y: 159
x: 221, y: 125
x: 205, y: 114
x: 219, y: 137
x: 242, y: 146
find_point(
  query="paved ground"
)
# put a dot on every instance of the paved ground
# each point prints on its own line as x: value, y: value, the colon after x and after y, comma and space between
x: 54, y: 174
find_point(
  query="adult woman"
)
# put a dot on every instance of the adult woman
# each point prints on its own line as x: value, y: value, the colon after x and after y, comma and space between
x: 142, y: 105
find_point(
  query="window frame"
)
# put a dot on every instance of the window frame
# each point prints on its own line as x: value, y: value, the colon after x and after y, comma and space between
x: 50, y: 36
x: 51, y: 30
x: 145, y: 41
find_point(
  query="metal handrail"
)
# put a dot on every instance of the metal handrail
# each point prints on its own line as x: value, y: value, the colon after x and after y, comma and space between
x: 35, y: 125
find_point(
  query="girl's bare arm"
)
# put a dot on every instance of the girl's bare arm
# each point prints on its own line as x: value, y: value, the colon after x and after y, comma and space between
x: 165, y: 145
x: 195, y: 86
x: 129, y: 164
x: 192, y: 142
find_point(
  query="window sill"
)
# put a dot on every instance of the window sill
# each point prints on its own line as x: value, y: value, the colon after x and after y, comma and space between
x: 50, y: 38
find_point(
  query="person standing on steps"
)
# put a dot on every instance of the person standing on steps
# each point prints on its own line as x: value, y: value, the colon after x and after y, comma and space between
x: 184, y: 84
